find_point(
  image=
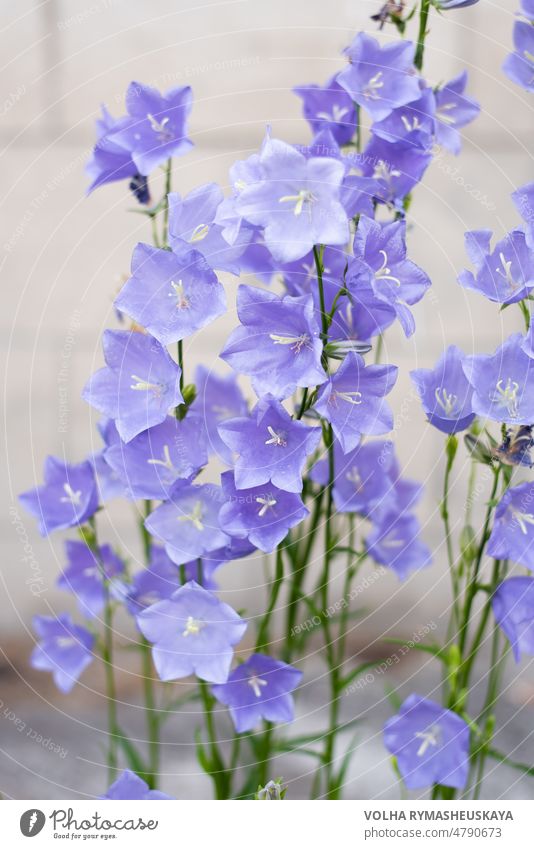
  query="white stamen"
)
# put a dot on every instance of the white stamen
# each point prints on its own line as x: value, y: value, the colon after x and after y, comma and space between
x: 192, y: 627
x: 143, y: 385
x: 338, y: 113
x: 267, y: 503
x: 296, y: 342
x: 384, y: 273
x: 506, y: 396
x: 415, y: 124
x: 373, y: 86
x: 385, y: 171
x: 304, y: 197
x: 354, y: 477
x: 195, y: 517
x: 506, y: 272
x: 523, y: 519
x: 446, y: 401
x: 166, y: 462
x: 443, y: 116
x: 430, y: 737
x: 71, y: 497
x: 350, y: 397
x: 160, y: 127
x: 65, y: 642
x: 276, y: 438
x: 182, y: 302
x: 200, y: 232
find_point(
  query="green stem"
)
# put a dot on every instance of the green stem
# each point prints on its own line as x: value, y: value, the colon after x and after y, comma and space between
x: 151, y: 711
x: 262, y: 641
x: 168, y: 182
x: 451, y: 449
x: 423, y: 20
x: 218, y: 773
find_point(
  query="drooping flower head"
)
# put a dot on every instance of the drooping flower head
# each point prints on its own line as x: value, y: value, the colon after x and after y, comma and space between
x: 503, y: 389
x: 513, y: 608
x: 352, y: 400
x: 270, y: 446
x: 445, y: 392
x: 130, y: 786
x: 171, y: 293
x: 430, y: 743
x: 138, y: 385
x: 68, y: 497
x: 261, y: 514
x: 379, y: 78
x: 85, y: 573
x: 278, y: 343
x: 259, y: 689
x: 506, y: 273
x: 155, y: 128
x: 193, y: 633
x: 110, y: 161
x: 65, y: 649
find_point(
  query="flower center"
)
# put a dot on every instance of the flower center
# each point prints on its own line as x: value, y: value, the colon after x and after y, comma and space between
x: 161, y: 128
x: 71, y: 497
x: 446, y: 401
x: 193, y: 627
x: 354, y: 398
x: 276, y: 438
x: 412, y: 125
x: 142, y: 385
x: 65, y: 642
x: 303, y: 198
x: 296, y: 343
x: 373, y: 86
x: 431, y: 737
x: 523, y: 519
x: 166, y: 462
x: 385, y: 171
x: 267, y: 503
x: 195, y: 517
x: 384, y: 273
x: 442, y: 114
x: 256, y: 684
x: 182, y: 302
x: 338, y: 113
x: 200, y: 232
x: 506, y: 396
x: 354, y: 477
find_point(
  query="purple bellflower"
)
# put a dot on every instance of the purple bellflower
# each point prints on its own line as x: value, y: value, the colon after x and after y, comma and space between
x: 192, y: 632
x: 155, y: 128
x: 413, y: 123
x: 109, y: 161
x: 278, y: 343
x: 129, y: 786
x: 68, y: 497
x: 445, y: 392
x: 523, y: 199
x: 259, y: 689
x: 513, y: 608
x: 512, y: 536
x: 270, y: 445
x: 361, y: 477
x: 380, y: 78
x: 430, y: 743
x: 261, y: 514
x: 519, y: 65
x: 85, y: 572
x: 353, y: 402
x: 502, y: 390
x: 396, y: 167
x: 394, y: 542
x: 172, y: 294
x: 151, y: 463
x: 504, y: 274
x: 139, y: 384
x: 330, y: 108
x: 453, y: 111
x: 188, y: 523
x: 217, y: 399
x: 296, y: 201
x: 65, y: 649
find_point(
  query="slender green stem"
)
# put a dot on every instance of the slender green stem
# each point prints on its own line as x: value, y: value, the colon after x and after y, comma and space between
x: 303, y: 403
x: 218, y: 771
x: 451, y: 449
x: 168, y: 185
x: 423, y: 21
x: 378, y: 349
x: 262, y: 640
x: 151, y: 711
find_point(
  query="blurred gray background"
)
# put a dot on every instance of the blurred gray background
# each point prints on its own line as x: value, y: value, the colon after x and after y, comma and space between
x: 63, y: 257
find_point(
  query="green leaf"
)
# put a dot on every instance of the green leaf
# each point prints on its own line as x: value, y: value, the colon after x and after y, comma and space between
x: 202, y: 757
x: 499, y: 756
x: 429, y: 649
x: 133, y: 757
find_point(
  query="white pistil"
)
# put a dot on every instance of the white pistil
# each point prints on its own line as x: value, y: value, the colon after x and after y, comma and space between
x: 192, y: 627
x: 267, y: 503
x: 143, y: 385
x: 446, y: 401
x: 430, y: 737
x: 506, y: 396
x: 354, y: 477
x: 304, y: 197
x: 166, y: 462
x: 182, y: 302
x: 442, y: 114
x: 71, y: 497
x: 391, y: 542
x: 412, y: 125
x: 297, y: 343
x: 350, y: 397
x: 256, y: 684
x: 523, y: 519
x: 65, y: 642
x: 338, y: 113
x: 373, y: 86
x: 200, y: 232
x: 276, y: 438
x: 160, y: 127
x: 195, y: 517
x: 384, y: 272
x: 506, y: 272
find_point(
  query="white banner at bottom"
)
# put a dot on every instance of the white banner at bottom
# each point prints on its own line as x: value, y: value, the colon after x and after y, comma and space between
x: 355, y: 823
